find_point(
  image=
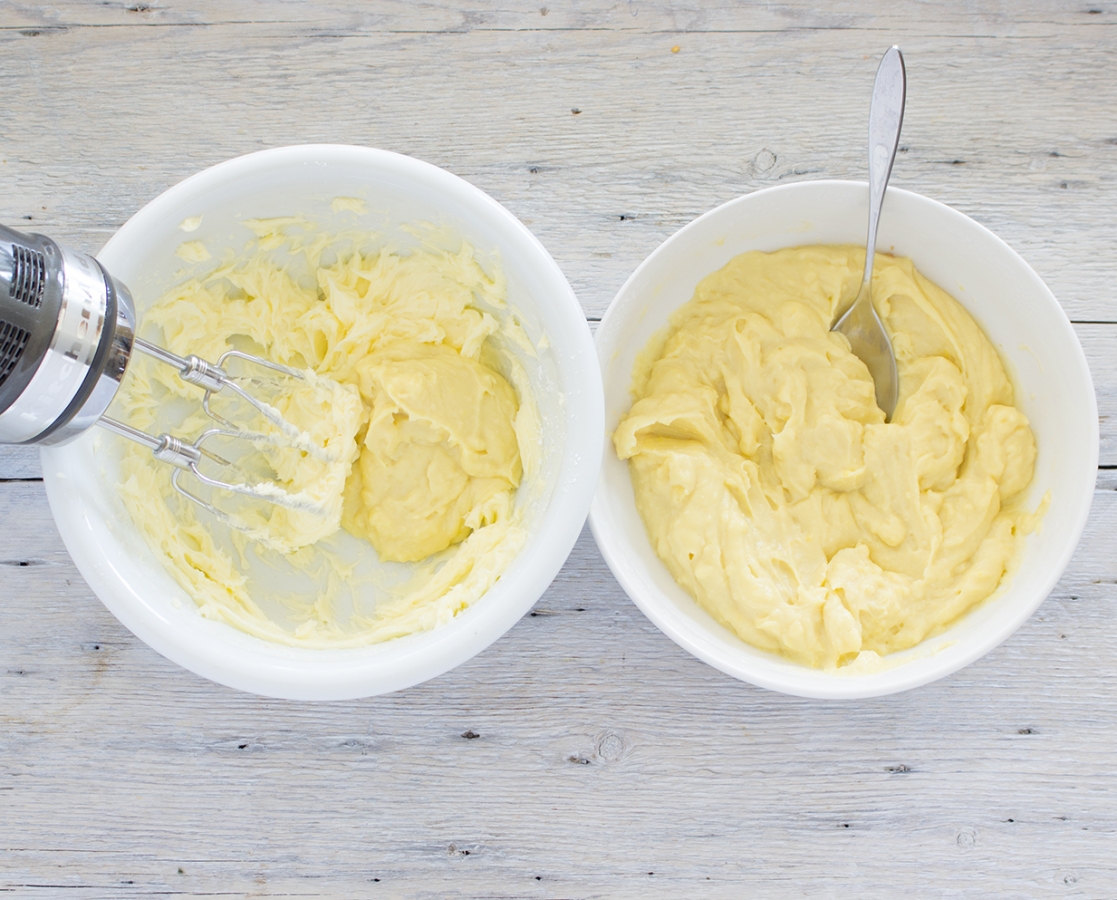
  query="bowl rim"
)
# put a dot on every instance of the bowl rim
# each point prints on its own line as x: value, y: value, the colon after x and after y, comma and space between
x: 816, y: 683
x: 244, y: 662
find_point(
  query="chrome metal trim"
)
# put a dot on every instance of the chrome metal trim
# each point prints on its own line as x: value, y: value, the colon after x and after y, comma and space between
x: 111, y: 374
x: 64, y: 367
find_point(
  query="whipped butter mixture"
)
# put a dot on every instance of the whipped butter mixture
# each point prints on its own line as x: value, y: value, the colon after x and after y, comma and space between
x: 412, y: 431
x: 775, y: 492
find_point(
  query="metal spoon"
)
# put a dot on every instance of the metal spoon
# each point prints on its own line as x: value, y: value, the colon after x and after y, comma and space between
x: 860, y: 323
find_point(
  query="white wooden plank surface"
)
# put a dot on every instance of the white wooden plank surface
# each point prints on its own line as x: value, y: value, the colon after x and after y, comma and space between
x: 606, y: 762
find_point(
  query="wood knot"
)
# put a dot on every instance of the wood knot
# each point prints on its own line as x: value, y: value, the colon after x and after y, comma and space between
x: 610, y: 746
x: 763, y: 162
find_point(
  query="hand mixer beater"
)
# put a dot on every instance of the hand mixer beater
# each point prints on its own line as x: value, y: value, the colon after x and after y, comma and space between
x: 67, y: 334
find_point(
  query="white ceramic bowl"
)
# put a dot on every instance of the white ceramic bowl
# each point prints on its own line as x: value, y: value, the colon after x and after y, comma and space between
x: 565, y: 378
x: 1004, y: 295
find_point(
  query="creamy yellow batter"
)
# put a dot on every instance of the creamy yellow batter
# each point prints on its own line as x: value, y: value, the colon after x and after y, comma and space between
x: 773, y: 489
x: 413, y: 431
x: 440, y: 446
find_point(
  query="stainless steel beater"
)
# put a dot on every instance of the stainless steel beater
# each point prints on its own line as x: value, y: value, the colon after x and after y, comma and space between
x: 67, y: 334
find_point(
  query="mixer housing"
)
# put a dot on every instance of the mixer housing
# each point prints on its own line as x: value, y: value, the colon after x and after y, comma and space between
x: 66, y: 335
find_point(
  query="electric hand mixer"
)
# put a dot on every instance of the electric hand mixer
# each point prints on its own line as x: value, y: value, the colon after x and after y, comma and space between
x: 67, y: 333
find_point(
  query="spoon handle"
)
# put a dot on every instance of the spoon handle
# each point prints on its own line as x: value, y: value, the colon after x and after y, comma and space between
x: 886, y: 115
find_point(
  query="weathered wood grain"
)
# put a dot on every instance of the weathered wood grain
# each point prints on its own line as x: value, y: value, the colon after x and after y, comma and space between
x: 583, y: 754
x: 755, y: 96
x: 1099, y: 343
x: 19, y: 463
x: 603, y: 753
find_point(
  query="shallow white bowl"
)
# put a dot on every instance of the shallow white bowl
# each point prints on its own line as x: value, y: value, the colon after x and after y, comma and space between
x: 1010, y: 302
x: 397, y: 191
